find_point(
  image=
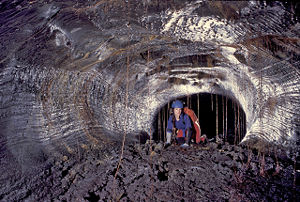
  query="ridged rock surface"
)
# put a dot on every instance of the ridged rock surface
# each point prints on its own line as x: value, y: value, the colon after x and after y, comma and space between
x: 81, y: 74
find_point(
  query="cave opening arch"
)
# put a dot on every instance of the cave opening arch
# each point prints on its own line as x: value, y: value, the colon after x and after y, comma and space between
x: 218, y: 116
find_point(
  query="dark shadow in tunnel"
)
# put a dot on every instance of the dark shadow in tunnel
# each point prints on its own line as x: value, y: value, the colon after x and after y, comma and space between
x: 142, y: 137
x: 220, y: 117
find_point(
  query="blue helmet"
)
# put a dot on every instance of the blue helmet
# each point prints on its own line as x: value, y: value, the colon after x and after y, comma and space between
x: 177, y: 104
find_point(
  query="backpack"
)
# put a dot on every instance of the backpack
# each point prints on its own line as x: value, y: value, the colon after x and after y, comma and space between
x: 196, y: 130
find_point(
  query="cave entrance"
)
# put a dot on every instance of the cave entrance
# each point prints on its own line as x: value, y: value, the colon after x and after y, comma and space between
x: 218, y: 116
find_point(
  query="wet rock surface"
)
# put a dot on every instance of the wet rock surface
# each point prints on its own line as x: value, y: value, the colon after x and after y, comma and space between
x: 209, y: 172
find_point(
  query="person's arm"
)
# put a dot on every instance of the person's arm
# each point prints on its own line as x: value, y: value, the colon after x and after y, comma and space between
x: 188, y: 128
x: 170, y: 124
x: 169, y: 130
x: 187, y: 121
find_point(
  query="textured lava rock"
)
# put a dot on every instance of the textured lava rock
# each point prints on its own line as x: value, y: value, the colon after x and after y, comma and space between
x: 148, y: 172
x: 76, y: 75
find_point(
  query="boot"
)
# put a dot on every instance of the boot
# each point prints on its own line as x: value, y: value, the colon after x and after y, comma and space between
x: 203, y: 139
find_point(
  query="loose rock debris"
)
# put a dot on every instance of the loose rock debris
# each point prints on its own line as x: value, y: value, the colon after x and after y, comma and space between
x: 211, y: 172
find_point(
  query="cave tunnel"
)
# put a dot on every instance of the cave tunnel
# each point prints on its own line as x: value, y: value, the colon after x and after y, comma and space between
x: 217, y: 114
x: 80, y: 80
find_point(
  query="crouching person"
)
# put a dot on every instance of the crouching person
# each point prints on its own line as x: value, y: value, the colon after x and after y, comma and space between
x: 179, y: 125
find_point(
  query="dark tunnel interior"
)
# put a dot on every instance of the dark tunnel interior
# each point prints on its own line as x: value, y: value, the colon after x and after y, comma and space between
x: 217, y: 114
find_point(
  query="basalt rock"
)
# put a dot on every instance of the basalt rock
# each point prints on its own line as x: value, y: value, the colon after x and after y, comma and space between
x: 174, y: 174
x: 78, y: 76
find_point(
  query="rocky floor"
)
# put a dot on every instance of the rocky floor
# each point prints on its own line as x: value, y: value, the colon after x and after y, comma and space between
x: 208, y: 172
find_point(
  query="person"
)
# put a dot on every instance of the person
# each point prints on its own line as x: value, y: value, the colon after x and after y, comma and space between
x: 180, y: 125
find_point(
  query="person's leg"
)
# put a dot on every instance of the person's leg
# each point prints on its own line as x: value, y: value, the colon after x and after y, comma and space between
x: 187, y: 139
x: 180, y: 140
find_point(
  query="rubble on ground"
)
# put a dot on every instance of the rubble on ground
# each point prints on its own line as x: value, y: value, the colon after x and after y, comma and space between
x: 148, y: 172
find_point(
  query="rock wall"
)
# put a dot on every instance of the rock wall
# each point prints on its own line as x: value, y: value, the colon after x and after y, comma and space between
x: 82, y: 73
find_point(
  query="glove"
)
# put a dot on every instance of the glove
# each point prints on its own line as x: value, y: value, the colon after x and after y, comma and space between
x: 169, y: 136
